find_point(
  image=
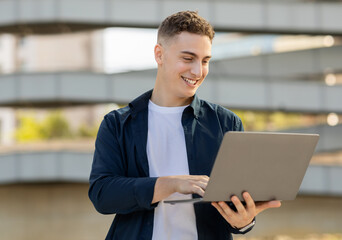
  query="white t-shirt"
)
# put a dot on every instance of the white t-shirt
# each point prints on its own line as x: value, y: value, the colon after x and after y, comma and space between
x: 166, y: 152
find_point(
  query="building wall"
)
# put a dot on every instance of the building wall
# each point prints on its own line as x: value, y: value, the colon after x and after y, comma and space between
x: 62, y: 52
x: 51, y: 211
x: 304, y: 216
x: 81, y: 51
x: 54, y: 211
x: 8, y: 46
x: 7, y: 126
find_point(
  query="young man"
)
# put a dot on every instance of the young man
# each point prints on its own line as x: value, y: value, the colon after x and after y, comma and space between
x: 163, y: 145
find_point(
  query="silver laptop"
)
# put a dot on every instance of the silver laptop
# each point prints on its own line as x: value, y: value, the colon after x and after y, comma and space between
x: 270, y: 166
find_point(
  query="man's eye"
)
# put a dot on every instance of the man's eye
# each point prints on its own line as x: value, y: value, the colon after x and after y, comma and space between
x: 187, y: 59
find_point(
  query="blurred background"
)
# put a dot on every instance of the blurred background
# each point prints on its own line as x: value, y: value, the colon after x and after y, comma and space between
x: 66, y: 63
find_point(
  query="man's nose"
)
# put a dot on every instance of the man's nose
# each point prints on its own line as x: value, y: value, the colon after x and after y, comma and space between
x: 196, y: 69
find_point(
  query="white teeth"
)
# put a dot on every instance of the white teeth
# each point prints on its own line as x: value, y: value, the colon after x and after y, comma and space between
x: 189, y: 81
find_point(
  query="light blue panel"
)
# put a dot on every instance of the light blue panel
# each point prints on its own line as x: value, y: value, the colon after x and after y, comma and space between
x: 7, y: 12
x: 28, y: 10
x: 83, y: 86
x: 170, y: 7
x: 75, y: 166
x: 234, y: 91
x: 37, y: 10
x: 315, y: 180
x: 207, y: 90
x: 239, y: 14
x: 47, y: 9
x: 135, y: 11
x: 248, y: 66
x: 304, y: 16
x: 252, y: 15
x: 127, y: 86
x: 290, y: 95
x: 37, y: 86
x: 83, y: 10
x: 332, y: 137
x: 331, y: 16
x: 234, y: 94
x: 291, y: 63
x: 255, y: 92
x: 8, y: 167
x: 329, y: 58
x: 279, y: 15
x: 38, y: 166
x: 333, y: 97
x: 8, y: 91
x: 323, y: 138
x: 45, y: 166
x: 336, y: 179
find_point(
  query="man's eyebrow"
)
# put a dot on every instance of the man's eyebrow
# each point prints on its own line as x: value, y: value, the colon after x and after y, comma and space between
x: 193, y: 54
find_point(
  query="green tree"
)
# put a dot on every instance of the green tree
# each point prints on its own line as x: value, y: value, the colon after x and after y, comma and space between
x: 55, y: 126
x: 29, y: 130
x: 87, y: 131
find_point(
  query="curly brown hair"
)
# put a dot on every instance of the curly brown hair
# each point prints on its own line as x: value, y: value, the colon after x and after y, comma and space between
x: 185, y: 21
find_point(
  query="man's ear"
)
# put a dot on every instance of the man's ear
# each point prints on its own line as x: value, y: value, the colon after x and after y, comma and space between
x: 158, y: 53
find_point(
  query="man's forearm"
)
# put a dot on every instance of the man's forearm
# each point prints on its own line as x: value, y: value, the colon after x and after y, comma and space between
x: 163, y: 188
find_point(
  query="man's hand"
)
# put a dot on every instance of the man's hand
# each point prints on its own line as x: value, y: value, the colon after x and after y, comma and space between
x: 244, y: 214
x: 185, y: 184
x: 189, y: 184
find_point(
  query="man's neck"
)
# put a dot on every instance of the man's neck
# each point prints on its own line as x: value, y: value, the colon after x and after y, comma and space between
x: 165, y: 99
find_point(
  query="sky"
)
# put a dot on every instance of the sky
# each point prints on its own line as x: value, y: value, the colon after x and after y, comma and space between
x: 129, y: 49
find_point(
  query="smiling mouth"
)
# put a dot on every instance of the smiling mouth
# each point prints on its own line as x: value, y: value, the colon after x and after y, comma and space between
x: 190, y: 81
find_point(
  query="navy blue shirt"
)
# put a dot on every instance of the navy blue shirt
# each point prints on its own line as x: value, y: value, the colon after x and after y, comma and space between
x: 119, y: 179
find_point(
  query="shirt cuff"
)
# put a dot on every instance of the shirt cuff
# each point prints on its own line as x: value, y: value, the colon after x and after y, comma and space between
x: 144, y: 191
x: 245, y: 229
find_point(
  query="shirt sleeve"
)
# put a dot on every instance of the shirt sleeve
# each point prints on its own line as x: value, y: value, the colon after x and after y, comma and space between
x: 238, y: 124
x: 110, y: 190
x: 229, y: 121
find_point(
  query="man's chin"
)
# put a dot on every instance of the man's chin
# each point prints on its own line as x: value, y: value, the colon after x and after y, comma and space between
x: 189, y: 94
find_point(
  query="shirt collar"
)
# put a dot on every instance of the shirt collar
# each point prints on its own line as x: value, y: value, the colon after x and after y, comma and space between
x: 195, y: 105
x: 141, y: 103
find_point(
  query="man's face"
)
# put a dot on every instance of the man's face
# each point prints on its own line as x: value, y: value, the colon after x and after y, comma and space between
x: 185, y: 63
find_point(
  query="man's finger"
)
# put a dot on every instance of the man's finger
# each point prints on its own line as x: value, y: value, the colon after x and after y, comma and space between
x: 238, y: 205
x: 249, y: 201
x: 262, y: 206
x: 202, y: 185
x: 219, y: 209
x: 226, y: 209
x: 202, y: 178
x: 198, y: 190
